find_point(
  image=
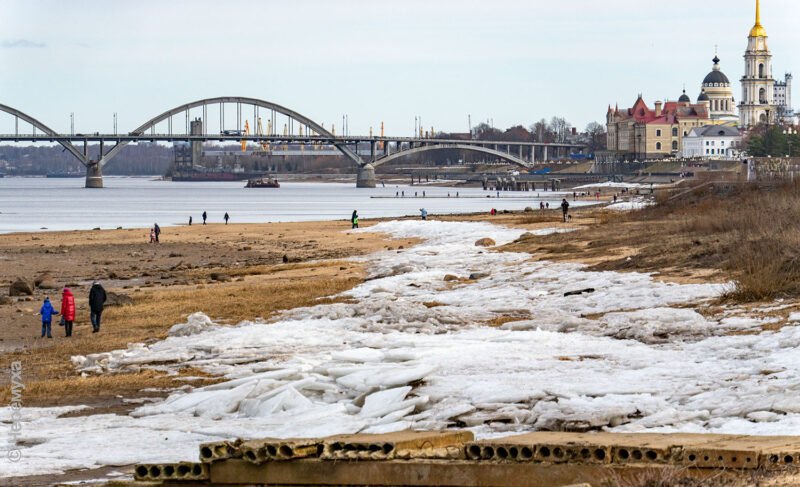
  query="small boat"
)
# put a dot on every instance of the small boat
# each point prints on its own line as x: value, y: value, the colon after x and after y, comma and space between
x: 262, y: 183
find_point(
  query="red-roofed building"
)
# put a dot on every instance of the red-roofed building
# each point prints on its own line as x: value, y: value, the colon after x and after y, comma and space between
x: 643, y: 133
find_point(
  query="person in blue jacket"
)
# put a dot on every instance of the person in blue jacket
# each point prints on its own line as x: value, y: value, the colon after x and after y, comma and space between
x: 47, y: 313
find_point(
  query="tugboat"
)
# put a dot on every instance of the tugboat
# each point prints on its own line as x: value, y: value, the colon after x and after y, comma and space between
x: 262, y: 183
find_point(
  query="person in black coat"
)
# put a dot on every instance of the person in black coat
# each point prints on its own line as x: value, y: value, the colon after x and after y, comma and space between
x: 565, y: 208
x: 157, y: 230
x: 97, y: 299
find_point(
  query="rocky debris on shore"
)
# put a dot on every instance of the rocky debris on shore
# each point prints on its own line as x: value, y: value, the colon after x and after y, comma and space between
x: 20, y: 287
x: 220, y: 277
x: 45, y: 281
x: 485, y: 242
x: 117, y: 299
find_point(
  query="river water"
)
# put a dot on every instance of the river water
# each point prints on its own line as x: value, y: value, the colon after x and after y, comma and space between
x: 32, y: 204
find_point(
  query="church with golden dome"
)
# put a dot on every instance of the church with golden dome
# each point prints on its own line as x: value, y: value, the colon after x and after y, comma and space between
x: 639, y: 132
x: 758, y: 86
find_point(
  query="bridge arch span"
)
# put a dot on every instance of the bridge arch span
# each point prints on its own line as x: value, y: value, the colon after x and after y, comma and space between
x: 244, y: 101
x: 474, y: 148
x: 47, y: 130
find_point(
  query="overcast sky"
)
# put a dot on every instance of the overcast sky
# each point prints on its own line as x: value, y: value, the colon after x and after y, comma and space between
x: 512, y: 61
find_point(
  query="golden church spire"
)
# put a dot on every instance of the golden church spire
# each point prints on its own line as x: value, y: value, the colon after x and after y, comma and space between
x: 758, y: 30
x: 758, y: 12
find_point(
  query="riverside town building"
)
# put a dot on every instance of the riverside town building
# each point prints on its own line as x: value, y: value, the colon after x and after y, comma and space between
x: 640, y: 132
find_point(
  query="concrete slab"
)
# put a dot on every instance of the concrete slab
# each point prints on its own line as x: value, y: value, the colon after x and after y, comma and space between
x: 404, y: 445
x: 272, y: 449
x: 182, y: 471
x: 314, y: 472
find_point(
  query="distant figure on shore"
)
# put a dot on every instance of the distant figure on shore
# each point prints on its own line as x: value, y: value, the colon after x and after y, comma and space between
x: 541, y: 205
x: 97, y: 299
x: 403, y: 194
x: 204, y: 217
x: 423, y: 194
x: 190, y: 221
x: 615, y: 197
x: 456, y: 194
x: 564, y: 208
x: 493, y: 212
x: 547, y: 205
x: 396, y: 194
x: 152, y: 235
x: 423, y: 213
x: 226, y: 217
x: 157, y: 229
x: 67, y: 310
x: 47, y: 311
x: 354, y: 219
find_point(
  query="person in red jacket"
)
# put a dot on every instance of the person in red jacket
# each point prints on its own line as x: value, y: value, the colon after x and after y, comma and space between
x: 68, y: 310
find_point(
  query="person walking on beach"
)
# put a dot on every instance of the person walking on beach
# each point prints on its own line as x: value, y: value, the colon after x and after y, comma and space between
x: 423, y: 213
x: 226, y: 217
x: 564, y: 208
x: 354, y: 219
x: 152, y: 235
x: 67, y: 310
x: 97, y: 299
x: 190, y: 221
x: 47, y: 311
x: 157, y: 230
x: 204, y: 217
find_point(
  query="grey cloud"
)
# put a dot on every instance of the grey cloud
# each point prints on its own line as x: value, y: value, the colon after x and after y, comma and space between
x: 21, y: 43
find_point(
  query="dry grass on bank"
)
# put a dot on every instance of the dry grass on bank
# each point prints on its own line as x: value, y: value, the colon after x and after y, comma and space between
x: 727, y: 233
x: 753, y: 233
x: 51, y: 378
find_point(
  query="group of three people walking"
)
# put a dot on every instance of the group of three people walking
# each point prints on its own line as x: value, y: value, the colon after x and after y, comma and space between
x: 97, y: 299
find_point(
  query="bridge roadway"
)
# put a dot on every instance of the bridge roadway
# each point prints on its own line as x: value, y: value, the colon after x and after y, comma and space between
x: 382, y: 149
x: 350, y: 139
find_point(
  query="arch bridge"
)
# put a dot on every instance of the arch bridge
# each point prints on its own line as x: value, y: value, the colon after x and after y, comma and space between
x: 190, y: 123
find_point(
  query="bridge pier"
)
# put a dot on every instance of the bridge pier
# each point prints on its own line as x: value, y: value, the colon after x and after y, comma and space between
x: 366, y: 176
x: 94, y: 176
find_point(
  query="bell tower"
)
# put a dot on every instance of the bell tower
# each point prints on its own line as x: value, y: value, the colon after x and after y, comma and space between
x: 758, y: 86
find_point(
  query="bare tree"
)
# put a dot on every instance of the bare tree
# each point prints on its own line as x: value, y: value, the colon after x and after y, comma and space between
x: 597, y: 136
x: 560, y: 128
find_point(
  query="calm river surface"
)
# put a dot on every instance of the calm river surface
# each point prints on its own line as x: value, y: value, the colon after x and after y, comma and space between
x: 32, y: 204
